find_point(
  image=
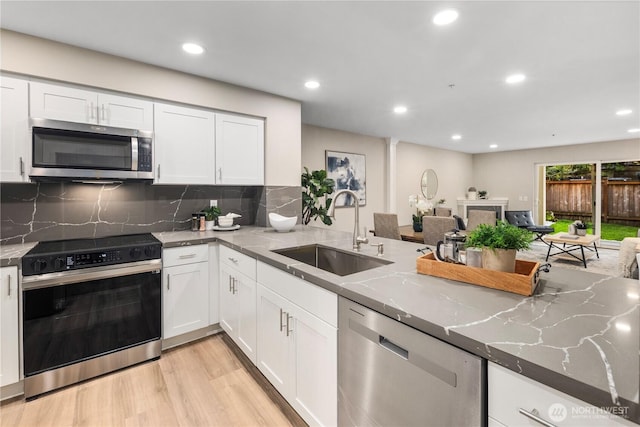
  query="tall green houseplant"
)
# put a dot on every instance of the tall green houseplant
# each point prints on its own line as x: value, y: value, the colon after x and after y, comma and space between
x: 315, y: 189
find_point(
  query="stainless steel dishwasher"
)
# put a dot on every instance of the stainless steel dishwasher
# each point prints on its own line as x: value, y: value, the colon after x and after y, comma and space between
x: 390, y: 374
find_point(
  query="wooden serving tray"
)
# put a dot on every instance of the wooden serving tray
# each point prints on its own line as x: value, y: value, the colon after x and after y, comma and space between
x: 524, y: 281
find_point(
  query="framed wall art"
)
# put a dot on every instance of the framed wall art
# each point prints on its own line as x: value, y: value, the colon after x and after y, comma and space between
x: 348, y: 170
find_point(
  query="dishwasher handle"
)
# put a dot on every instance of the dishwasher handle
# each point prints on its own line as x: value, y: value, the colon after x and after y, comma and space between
x: 394, y: 348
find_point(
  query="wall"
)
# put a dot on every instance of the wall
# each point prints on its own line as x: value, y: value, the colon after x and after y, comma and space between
x: 38, y: 57
x: 512, y: 173
x: 454, y: 171
x: 315, y: 140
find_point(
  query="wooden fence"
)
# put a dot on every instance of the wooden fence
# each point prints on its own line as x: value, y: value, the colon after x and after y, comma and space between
x: 573, y: 200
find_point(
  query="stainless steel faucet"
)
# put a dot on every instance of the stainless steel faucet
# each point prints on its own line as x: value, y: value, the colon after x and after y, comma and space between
x: 357, y: 239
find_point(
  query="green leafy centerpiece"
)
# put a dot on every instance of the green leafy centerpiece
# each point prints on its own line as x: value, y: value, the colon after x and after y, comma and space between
x: 499, y: 244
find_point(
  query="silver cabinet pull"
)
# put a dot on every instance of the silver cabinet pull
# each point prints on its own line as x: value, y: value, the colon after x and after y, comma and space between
x: 9, y: 287
x: 219, y: 174
x: 289, y: 317
x: 91, y: 110
x: 280, y: 321
x: 21, y: 166
x: 187, y: 256
x: 158, y: 170
x: 535, y: 416
x: 235, y: 288
x: 168, y: 281
x: 103, y: 116
x: 233, y: 260
x: 230, y: 285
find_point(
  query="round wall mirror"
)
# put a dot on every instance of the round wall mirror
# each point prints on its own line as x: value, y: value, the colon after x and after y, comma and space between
x: 429, y: 184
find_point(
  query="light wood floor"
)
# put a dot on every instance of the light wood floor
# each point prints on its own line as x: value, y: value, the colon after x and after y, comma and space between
x: 198, y: 384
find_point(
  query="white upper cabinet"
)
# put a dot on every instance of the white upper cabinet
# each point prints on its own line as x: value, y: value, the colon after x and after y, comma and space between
x: 84, y: 106
x: 184, y: 145
x: 14, y: 129
x: 239, y: 150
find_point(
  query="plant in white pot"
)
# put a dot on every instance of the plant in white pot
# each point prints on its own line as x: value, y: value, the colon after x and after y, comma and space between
x: 499, y: 244
x: 211, y: 214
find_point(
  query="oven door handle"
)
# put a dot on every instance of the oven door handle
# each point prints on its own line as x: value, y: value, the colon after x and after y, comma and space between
x: 90, y: 274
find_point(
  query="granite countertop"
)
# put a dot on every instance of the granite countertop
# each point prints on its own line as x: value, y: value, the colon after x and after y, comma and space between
x: 580, y: 332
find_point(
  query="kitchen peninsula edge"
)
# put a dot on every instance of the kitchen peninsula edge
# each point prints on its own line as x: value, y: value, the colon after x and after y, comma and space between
x: 566, y: 336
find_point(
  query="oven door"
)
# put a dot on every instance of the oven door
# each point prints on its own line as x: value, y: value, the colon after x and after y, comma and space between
x: 76, y: 316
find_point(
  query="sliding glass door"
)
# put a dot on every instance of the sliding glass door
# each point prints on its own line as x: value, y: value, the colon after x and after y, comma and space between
x: 604, y: 195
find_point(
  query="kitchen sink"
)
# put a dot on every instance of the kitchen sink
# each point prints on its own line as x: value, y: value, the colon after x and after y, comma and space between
x: 333, y: 260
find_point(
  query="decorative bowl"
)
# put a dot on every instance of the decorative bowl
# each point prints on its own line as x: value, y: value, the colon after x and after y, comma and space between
x: 282, y: 223
x: 224, y: 221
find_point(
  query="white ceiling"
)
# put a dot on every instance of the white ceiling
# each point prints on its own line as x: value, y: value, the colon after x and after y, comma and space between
x: 581, y: 59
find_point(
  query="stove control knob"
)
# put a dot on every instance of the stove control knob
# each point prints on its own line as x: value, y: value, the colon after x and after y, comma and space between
x: 135, y: 253
x: 39, y: 265
x: 151, y: 251
x: 59, y: 263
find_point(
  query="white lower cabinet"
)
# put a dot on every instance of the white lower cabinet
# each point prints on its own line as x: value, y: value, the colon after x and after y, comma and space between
x: 9, y: 338
x: 185, y: 289
x: 238, y: 299
x: 515, y: 400
x: 297, y: 343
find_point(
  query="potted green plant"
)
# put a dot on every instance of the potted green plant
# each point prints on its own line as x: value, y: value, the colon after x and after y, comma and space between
x: 315, y: 189
x: 499, y: 244
x: 211, y: 214
x: 482, y: 194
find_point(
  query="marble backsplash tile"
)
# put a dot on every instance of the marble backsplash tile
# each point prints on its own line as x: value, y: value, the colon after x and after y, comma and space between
x: 51, y: 211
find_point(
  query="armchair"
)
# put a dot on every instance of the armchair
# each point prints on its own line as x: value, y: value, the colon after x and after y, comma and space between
x: 524, y: 219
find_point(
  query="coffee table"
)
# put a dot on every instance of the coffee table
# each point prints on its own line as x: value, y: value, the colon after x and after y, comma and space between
x: 572, y: 243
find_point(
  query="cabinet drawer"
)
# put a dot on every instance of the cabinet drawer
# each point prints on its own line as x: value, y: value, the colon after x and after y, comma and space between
x: 185, y: 255
x: 241, y: 262
x: 509, y: 393
x: 312, y: 298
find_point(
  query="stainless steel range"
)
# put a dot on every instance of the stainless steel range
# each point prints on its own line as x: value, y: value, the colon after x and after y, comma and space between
x: 90, y: 306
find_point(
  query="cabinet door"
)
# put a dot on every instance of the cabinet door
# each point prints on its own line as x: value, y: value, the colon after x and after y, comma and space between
x: 315, y: 363
x: 9, y: 339
x: 14, y: 129
x: 273, y: 343
x: 228, y: 309
x: 246, y: 293
x: 185, y: 299
x: 184, y: 145
x: 125, y: 112
x: 63, y: 103
x: 239, y: 150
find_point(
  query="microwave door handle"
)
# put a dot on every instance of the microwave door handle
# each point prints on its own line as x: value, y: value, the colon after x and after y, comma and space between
x: 134, y: 153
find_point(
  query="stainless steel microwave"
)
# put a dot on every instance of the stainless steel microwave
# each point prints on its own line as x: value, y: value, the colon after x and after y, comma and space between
x: 77, y: 151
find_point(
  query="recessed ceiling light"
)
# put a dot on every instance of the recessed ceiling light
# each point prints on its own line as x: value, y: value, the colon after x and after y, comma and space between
x: 192, y: 48
x: 634, y: 130
x: 515, y: 78
x: 456, y: 137
x: 445, y: 17
x: 312, y: 84
x: 623, y: 112
x: 400, y: 109
x: 493, y: 146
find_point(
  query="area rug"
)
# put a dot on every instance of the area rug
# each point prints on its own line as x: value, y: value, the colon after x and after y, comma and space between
x: 606, y: 264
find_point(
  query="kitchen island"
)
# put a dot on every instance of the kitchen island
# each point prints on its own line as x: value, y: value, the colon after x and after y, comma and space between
x: 578, y: 334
